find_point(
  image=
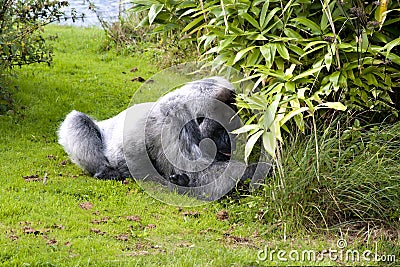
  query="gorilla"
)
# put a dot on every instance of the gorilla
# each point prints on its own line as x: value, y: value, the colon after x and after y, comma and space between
x: 183, y: 140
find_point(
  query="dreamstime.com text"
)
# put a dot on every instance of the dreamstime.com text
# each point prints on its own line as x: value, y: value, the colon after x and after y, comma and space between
x: 341, y: 253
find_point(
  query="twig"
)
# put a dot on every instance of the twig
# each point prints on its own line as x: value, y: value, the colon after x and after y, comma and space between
x: 225, y: 18
x: 327, y: 11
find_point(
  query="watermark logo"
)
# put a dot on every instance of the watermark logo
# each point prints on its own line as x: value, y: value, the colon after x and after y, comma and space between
x: 340, y: 253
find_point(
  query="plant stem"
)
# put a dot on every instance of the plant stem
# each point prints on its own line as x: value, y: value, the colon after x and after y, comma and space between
x: 316, y: 144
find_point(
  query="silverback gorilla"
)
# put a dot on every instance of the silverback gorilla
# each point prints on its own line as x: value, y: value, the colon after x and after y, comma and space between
x: 184, y: 139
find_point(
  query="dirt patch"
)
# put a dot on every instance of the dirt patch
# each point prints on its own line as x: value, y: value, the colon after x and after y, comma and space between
x: 52, y: 241
x: 190, y: 213
x: 86, y: 205
x: 32, y: 178
x: 133, y: 218
x: 222, y: 215
x: 150, y: 226
x: 122, y: 237
x: 101, y: 221
x: 97, y: 231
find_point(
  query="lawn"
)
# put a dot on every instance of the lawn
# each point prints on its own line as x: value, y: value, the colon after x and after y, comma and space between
x: 52, y: 213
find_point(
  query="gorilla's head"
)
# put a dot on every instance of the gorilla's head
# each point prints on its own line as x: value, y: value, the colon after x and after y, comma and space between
x: 222, y: 120
x: 223, y: 141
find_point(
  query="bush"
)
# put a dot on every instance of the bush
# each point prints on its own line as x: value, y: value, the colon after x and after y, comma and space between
x: 21, y: 40
x: 302, y: 55
x: 21, y: 25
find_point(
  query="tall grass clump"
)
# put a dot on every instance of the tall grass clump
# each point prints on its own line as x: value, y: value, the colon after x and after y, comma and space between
x: 357, y: 182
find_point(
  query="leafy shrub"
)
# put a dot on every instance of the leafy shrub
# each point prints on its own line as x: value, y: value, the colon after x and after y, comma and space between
x: 21, y: 40
x: 302, y: 55
x: 169, y: 17
x: 21, y: 22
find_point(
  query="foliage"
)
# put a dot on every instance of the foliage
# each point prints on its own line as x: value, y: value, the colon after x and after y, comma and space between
x: 125, y: 35
x: 302, y: 55
x: 357, y: 180
x: 21, y: 25
x: 121, y: 32
x: 169, y: 17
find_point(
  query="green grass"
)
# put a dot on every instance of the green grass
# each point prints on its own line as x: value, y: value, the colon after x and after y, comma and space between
x: 46, y: 223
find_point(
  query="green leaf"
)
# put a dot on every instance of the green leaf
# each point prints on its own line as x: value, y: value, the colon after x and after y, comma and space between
x: 328, y: 61
x: 250, y: 19
x: 270, y: 16
x: 293, y: 34
x: 257, y: 37
x: 282, y: 50
x: 371, y: 80
x: 381, y: 37
x: 144, y: 22
x: 276, y: 129
x: 247, y: 128
x: 296, y: 49
x: 292, y: 113
x: 268, y: 51
x: 254, y: 57
x: 187, y: 12
x: 309, y: 24
x: 389, y: 46
x: 394, y: 58
x: 257, y: 100
x: 311, y: 44
x: 146, y: 2
x: 307, y: 73
x: 298, y: 118
x: 226, y: 42
x: 250, y: 143
x: 270, y: 113
x: 364, y: 42
x: 263, y: 14
x: 242, y: 53
x: 324, y: 22
x: 192, y: 24
x: 207, y: 39
x: 155, y: 9
x: 333, y: 105
x: 269, y: 143
x: 310, y: 105
x: 290, y: 87
x: 334, y: 79
x: 346, y: 47
x: 275, y: 88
